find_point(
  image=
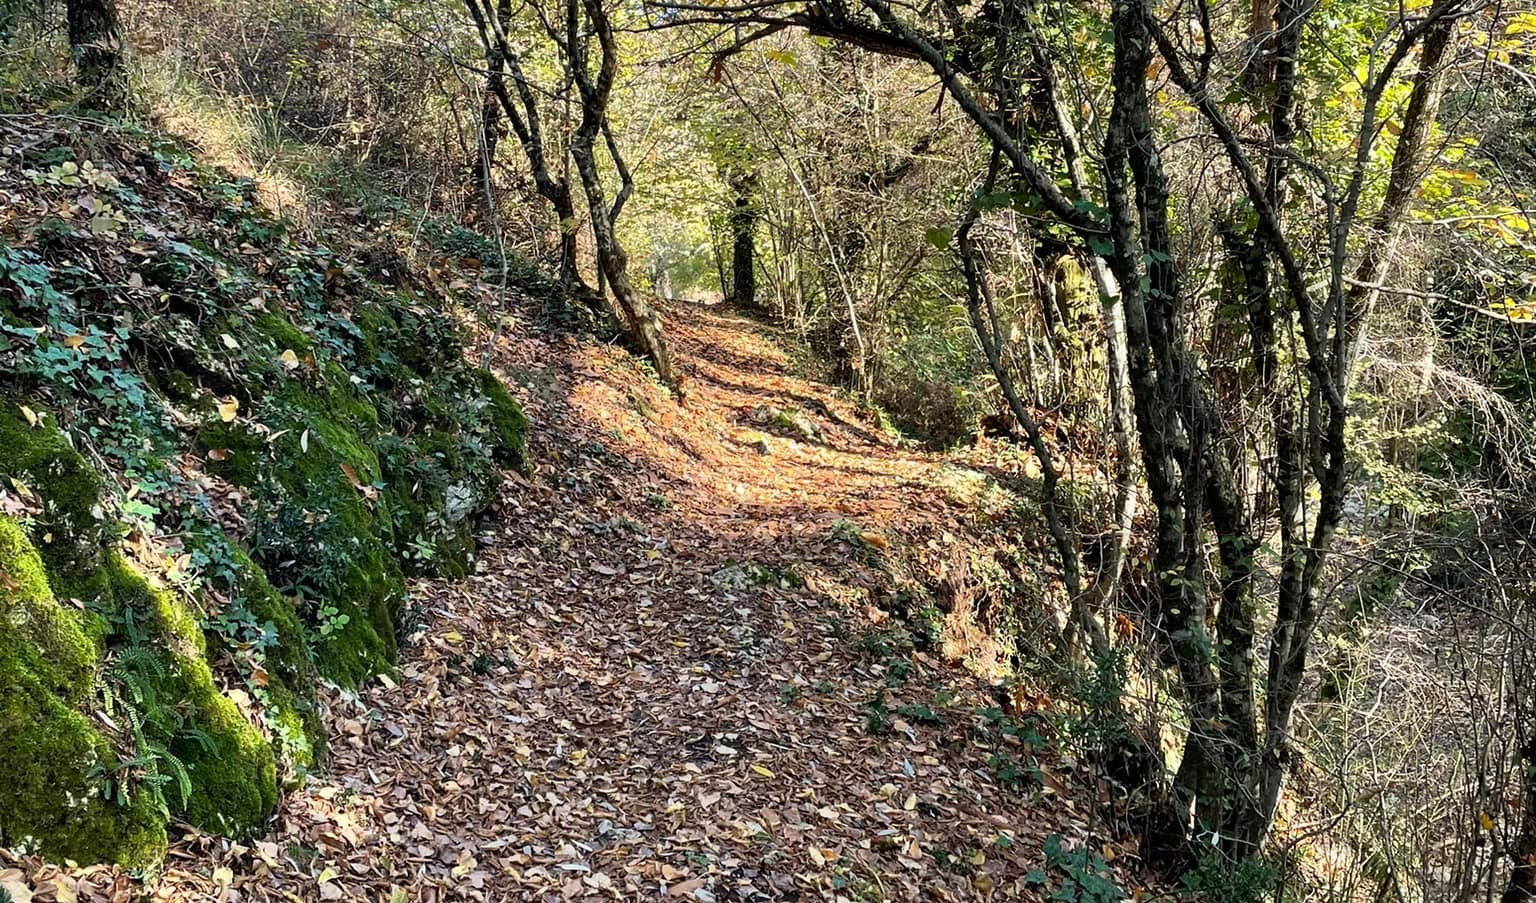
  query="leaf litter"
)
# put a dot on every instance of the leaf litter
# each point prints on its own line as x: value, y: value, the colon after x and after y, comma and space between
x: 650, y: 688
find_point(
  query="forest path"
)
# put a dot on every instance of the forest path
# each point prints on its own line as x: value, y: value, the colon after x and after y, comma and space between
x: 627, y: 702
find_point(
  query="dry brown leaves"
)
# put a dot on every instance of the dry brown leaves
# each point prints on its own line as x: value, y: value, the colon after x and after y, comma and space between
x: 604, y: 712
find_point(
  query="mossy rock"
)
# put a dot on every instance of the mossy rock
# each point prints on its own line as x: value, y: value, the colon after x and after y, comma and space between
x: 53, y: 759
x: 231, y: 765
x: 69, y: 530
x: 371, y: 447
x: 331, y: 541
x: 320, y: 530
x: 289, y: 708
x: 233, y: 452
x: 60, y: 647
x: 509, y: 424
x: 280, y: 332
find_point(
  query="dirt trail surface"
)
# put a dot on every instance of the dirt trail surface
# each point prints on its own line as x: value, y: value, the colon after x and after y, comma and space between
x: 636, y: 698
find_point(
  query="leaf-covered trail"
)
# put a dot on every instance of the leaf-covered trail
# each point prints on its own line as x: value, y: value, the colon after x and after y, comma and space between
x: 627, y: 703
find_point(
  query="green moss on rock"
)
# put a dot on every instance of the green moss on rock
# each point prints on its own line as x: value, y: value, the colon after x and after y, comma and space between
x: 288, y: 697
x: 282, y: 334
x: 367, y: 451
x: 233, y: 773
x: 54, y: 643
x: 233, y: 452
x: 510, y: 425
x: 331, y: 540
x: 53, y: 760
x: 68, y: 531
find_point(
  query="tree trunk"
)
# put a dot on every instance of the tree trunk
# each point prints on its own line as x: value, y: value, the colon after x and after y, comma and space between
x: 96, y: 43
x: 743, y: 222
x: 640, y: 319
x: 1408, y: 160
x: 522, y: 112
x: 483, y: 210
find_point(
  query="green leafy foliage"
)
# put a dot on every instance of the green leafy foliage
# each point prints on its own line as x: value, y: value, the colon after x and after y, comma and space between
x: 1078, y: 875
x: 194, y: 354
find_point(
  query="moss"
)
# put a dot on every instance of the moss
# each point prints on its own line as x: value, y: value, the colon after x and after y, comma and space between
x: 338, y: 400
x: 52, y: 758
x: 432, y: 488
x: 68, y: 531
x: 177, y: 385
x: 369, y: 595
x: 280, y: 332
x: 289, y: 709
x: 376, y: 329
x: 382, y: 444
x: 509, y: 424
x: 298, y: 733
x: 334, y: 543
x: 231, y: 766
x: 233, y: 451
x: 404, y: 336
x: 54, y: 643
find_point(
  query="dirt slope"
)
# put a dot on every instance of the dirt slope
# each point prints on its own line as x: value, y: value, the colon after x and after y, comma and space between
x: 636, y: 698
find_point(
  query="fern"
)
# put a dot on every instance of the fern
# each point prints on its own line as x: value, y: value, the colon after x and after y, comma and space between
x: 167, y: 760
x: 130, y: 694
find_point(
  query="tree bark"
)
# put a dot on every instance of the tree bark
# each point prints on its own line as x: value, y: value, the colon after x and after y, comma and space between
x: 483, y: 194
x: 640, y: 319
x: 1408, y: 161
x: 743, y: 223
x: 523, y: 115
x: 96, y: 43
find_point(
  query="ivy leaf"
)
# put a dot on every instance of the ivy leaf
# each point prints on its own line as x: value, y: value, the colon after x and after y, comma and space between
x: 939, y: 236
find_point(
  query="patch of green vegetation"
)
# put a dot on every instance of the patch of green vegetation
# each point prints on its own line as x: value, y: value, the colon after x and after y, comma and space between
x: 324, y: 539
x: 877, y: 716
x: 1078, y: 875
x: 68, y: 528
x: 336, y: 401
x: 888, y: 642
x: 233, y: 783
x: 1012, y: 773
x: 49, y: 752
x: 920, y: 714
x: 1220, y: 880
x: 509, y: 424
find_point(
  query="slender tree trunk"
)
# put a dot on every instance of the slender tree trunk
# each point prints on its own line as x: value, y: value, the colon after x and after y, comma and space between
x: 983, y: 315
x: 1408, y: 161
x: 491, y: 131
x: 96, y: 43
x: 743, y: 222
x: 640, y: 319
x: 491, y: 19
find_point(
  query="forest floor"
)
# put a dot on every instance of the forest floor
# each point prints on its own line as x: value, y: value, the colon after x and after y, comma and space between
x: 669, y: 677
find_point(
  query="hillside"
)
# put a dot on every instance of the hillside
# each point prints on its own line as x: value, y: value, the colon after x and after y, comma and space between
x: 225, y: 447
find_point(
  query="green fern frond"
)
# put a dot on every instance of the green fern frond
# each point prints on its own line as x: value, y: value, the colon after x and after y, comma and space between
x: 201, y: 738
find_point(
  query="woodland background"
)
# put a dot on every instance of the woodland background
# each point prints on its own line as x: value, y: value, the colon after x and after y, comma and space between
x: 1255, y: 285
